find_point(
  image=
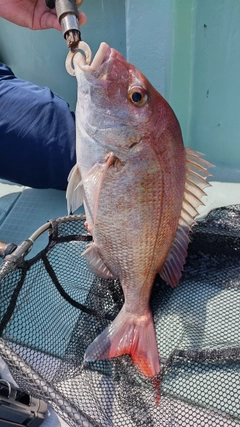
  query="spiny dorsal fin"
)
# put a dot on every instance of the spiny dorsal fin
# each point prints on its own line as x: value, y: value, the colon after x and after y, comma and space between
x: 196, y: 181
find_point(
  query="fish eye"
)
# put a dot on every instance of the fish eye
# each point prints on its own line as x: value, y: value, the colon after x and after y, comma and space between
x: 138, y: 96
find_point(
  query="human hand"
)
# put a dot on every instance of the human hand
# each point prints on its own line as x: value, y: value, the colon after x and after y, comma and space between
x: 33, y: 14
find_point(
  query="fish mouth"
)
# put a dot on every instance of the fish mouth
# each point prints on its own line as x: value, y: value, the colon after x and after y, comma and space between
x: 83, y: 60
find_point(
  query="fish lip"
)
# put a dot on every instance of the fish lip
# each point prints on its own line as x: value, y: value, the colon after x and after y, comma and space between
x: 102, y: 56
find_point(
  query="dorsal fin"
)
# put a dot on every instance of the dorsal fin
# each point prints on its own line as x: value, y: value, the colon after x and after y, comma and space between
x: 196, y: 181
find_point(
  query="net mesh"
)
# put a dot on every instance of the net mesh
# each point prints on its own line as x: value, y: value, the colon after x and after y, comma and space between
x: 52, y: 307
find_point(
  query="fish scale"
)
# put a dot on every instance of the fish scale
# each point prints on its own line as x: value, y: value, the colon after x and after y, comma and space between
x: 126, y: 213
x: 140, y: 189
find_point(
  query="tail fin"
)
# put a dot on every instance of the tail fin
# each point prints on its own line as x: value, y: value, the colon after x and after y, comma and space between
x: 128, y: 334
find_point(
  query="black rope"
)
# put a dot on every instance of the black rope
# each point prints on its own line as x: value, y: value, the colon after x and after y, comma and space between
x: 9, y: 312
x: 65, y: 295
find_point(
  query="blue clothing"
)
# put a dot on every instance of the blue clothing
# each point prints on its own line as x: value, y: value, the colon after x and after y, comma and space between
x: 37, y: 134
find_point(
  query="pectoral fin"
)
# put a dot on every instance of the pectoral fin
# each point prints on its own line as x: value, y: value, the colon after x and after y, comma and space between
x: 96, y: 176
x: 74, y: 194
x: 196, y: 181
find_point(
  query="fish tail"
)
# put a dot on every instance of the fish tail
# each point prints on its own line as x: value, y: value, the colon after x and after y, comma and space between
x: 128, y: 334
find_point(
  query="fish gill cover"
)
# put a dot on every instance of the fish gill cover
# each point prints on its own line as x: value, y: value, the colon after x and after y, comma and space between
x: 52, y: 307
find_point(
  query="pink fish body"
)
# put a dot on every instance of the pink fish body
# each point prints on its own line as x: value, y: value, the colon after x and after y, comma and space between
x: 140, y: 188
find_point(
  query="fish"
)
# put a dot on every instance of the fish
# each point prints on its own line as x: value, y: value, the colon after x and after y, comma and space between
x: 141, y: 190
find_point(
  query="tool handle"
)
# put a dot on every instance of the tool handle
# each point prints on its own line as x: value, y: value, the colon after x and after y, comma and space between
x: 51, y: 3
x: 67, y: 13
x: 66, y: 7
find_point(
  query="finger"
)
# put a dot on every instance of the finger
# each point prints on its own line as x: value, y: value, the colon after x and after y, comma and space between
x: 48, y: 20
x: 82, y: 18
x: 78, y: 3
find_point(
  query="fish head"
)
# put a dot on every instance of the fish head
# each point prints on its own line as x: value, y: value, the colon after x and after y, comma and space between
x: 118, y: 105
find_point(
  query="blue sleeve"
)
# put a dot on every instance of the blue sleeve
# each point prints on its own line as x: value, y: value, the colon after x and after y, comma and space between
x: 37, y: 134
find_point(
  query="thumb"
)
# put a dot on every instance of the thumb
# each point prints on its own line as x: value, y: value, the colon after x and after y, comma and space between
x: 79, y: 3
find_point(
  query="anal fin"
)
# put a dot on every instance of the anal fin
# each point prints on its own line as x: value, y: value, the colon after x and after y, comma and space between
x: 95, y: 262
x: 196, y: 181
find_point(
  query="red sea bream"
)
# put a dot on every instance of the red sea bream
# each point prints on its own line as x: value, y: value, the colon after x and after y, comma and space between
x: 140, y: 189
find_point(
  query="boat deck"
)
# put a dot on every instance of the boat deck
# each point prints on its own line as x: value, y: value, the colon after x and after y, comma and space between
x: 23, y: 210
